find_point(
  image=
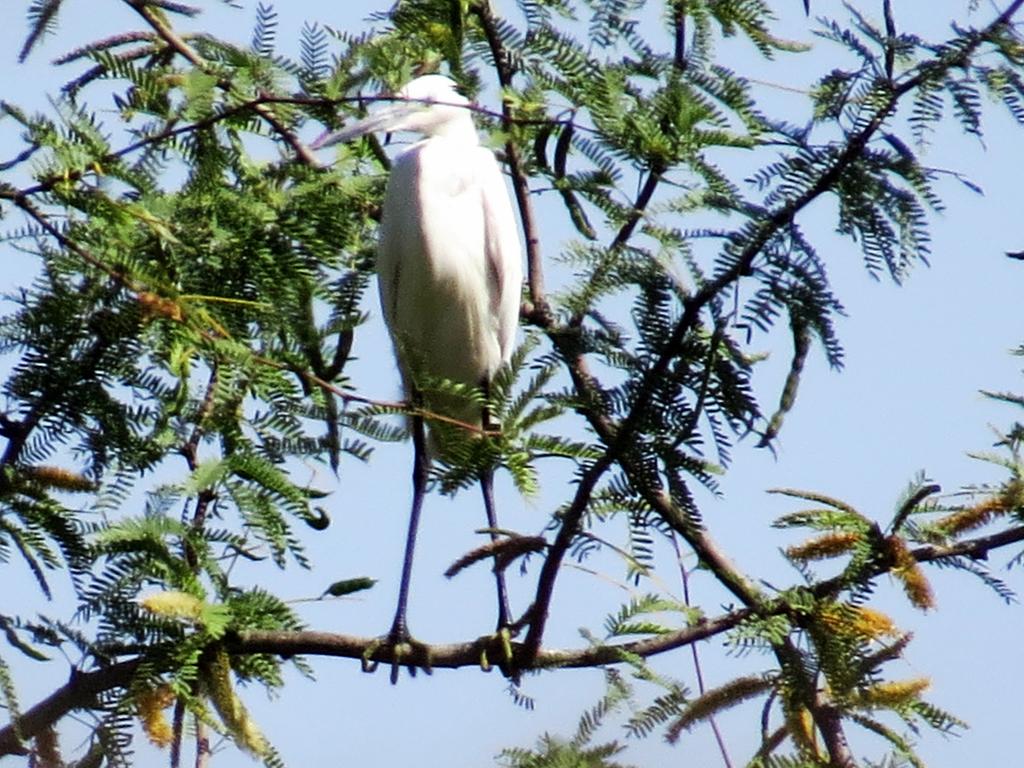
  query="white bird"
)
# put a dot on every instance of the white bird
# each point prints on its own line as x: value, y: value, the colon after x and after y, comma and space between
x: 449, y: 266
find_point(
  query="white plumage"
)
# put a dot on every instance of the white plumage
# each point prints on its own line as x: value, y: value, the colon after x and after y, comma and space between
x: 449, y: 261
x: 449, y: 265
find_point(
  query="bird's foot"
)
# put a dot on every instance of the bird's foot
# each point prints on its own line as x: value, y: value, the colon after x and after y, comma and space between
x: 498, y: 646
x: 401, y: 649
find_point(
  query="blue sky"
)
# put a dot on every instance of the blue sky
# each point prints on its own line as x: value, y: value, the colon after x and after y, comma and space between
x: 908, y: 400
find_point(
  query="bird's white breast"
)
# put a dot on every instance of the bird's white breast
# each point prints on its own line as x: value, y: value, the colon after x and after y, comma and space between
x: 439, y: 288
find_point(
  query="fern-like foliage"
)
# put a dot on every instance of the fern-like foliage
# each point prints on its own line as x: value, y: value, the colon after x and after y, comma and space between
x: 197, y: 327
x: 578, y: 752
x: 181, y: 354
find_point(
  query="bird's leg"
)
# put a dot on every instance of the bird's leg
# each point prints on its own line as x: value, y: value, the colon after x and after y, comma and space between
x: 421, y: 465
x: 487, y: 487
x: 503, y: 633
x: 398, y: 640
x: 502, y: 637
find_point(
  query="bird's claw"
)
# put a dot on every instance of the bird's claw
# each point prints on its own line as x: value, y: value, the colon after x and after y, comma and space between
x: 404, y: 651
x: 500, y: 641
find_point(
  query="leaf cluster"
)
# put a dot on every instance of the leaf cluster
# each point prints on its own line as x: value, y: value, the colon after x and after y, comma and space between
x: 184, y: 344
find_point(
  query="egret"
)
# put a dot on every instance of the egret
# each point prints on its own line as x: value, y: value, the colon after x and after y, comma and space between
x: 449, y: 267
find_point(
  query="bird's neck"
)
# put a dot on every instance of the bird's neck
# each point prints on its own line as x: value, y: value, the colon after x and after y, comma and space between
x: 460, y: 129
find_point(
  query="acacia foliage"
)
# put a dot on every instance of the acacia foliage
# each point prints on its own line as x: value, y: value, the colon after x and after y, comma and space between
x: 201, y: 276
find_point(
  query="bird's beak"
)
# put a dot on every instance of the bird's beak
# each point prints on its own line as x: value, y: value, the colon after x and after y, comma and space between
x: 388, y: 119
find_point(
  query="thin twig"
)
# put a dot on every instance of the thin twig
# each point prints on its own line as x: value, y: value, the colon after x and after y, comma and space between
x: 150, y: 139
x: 178, y: 43
x: 685, y: 579
x: 643, y: 199
x: 679, y: 28
x: 190, y: 449
x: 177, y: 731
x: 203, y: 751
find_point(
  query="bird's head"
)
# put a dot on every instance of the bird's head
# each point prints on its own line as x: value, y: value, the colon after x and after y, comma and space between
x: 429, y: 105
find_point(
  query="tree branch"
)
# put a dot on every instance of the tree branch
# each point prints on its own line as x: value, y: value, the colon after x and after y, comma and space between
x: 79, y: 692
x: 82, y: 689
x: 619, y: 437
x: 178, y: 43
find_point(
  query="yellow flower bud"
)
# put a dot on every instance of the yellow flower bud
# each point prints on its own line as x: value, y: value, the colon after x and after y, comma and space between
x: 150, y: 705
x: 909, y: 572
x: 858, y: 620
x: 230, y: 707
x: 824, y: 547
x: 895, y: 693
x: 173, y: 604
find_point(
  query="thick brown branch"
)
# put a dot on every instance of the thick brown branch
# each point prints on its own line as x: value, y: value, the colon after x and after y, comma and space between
x: 825, y: 716
x: 976, y: 549
x: 587, y: 387
x: 830, y: 724
x: 553, y: 562
x: 80, y: 692
x: 203, y: 748
x: 456, y: 655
